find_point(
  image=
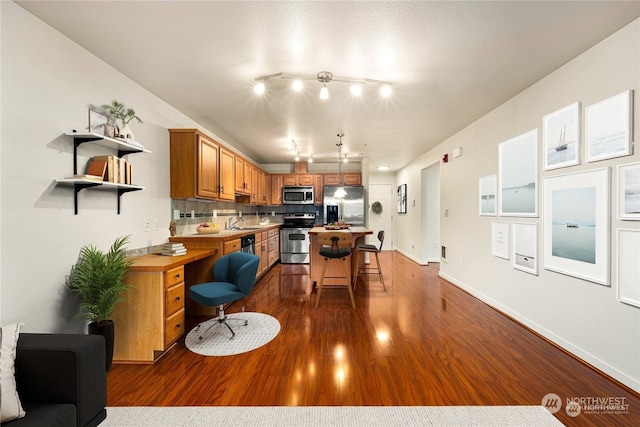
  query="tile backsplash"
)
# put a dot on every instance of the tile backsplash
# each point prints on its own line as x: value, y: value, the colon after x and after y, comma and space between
x: 194, y: 212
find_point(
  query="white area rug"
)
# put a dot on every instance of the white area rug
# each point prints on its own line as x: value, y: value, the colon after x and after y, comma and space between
x: 261, y: 329
x: 335, y: 416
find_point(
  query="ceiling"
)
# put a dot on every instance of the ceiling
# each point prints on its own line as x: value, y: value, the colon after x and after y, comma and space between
x: 450, y: 63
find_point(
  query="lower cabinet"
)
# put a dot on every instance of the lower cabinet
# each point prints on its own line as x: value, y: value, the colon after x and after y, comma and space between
x: 151, y: 318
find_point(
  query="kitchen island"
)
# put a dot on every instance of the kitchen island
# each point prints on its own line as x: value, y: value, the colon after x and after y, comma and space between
x: 333, y: 269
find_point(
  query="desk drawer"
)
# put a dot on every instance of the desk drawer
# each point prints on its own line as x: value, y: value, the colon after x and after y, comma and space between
x: 174, y: 299
x: 173, y: 327
x: 173, y: 277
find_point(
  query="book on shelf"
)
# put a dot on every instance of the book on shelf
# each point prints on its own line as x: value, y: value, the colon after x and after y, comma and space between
x: 97, y: 168
x: 86, y: 177
x: 111, y: 167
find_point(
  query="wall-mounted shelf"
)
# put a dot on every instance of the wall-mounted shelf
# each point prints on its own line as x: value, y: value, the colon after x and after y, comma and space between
x: 81, y: 184
x: 123, y: 147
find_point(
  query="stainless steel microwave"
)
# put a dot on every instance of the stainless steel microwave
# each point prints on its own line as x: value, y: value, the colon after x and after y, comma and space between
x: 297, y: 195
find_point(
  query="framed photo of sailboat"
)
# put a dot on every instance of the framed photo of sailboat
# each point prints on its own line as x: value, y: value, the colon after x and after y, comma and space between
x: 561, y: 134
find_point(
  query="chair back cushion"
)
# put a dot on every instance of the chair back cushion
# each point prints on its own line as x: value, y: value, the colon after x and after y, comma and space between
x: 239, y: 268
x: 335, y: 244
x: 381, y: 238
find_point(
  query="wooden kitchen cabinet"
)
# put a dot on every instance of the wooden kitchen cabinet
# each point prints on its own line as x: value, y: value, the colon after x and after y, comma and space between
x: 347, y: 179
x: 295, y: 179
x: 244, y: 176
x: 276, y: 190
x: 193, y: 164
x: 227, y: 175
x: 231, y: 246
x: 318, y: 183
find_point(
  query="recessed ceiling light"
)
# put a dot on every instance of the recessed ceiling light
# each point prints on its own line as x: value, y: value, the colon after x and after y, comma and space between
x: 259, y: 88
x: 385, y: 90
x: 297, y: 85
x: 383, y: 168
x: 356, y: 89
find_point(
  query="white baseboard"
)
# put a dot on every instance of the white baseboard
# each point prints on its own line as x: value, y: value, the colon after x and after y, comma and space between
x: 587, y: 357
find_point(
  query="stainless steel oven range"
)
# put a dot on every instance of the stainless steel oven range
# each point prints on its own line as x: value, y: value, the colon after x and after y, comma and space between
x: 294, y: 237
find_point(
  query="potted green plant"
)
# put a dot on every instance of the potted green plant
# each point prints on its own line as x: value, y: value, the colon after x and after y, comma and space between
x: 117, y: 110
x: 98, y: 279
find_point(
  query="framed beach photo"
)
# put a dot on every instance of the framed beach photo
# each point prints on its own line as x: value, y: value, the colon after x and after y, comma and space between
x: 500, y: 239
x: 518, y: 176
x: 576, y: 225
x: 402, y: 198
x: 487, y: 202
x: 561, y: 135
x: 629, y: 191
x: 608, y: 127
x: 97, y: 122
x: 524, y: 251
x: 628, y: 266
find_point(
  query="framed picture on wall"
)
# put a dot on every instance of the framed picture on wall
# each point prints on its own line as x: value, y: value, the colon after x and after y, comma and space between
x: 402, y: 198
x: 576, y: 225
x: 500, y: 239
x: 99, y: 123
x: 524, y: 251
x: 608, y: 127
x: 487, y: 200
x: 628, y: 266
x: 561, y: 134
x: 629, y: 191
x: 518, y: 175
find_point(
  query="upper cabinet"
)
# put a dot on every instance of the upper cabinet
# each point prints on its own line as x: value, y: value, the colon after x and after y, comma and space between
x: 347, y: 179
x: 227, y: 162
x: 276, y: 190
x: 196, y: 162
x: 297, y: 179
x: 244, y: 172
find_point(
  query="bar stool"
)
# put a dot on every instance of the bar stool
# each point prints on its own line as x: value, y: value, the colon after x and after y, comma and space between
x: 361, y: 249
x: 335, y: 245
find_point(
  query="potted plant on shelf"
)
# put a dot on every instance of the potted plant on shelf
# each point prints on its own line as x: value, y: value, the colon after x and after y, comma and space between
x: 117, y: 110
x: 99, y: 281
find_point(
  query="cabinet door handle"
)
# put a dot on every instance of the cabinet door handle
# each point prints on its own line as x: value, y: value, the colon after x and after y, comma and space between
x: 177, y: 276
x: 178, y: 325
x: 177, y: 298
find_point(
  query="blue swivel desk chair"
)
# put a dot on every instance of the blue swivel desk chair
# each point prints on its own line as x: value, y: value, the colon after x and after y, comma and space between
x: 235, y: 275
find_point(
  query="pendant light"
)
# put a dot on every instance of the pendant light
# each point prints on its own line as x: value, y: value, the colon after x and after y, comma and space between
x: 340, y: 192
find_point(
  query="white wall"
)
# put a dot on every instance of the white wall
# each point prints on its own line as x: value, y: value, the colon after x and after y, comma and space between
x: 583, y: 317
x: 48, y: 82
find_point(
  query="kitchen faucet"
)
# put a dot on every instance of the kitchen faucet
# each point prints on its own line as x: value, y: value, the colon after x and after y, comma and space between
x: 232, y: 223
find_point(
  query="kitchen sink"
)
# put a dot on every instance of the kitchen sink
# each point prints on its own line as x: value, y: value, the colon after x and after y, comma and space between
x: 246, y: 228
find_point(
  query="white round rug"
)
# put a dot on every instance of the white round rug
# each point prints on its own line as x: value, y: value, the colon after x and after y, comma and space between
x: 261, y: 329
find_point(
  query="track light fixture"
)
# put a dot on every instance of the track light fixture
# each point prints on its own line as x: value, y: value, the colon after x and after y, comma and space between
x: 355, y: 83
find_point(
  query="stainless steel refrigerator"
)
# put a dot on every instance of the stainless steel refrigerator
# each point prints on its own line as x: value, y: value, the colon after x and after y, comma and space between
x: 349, y: 208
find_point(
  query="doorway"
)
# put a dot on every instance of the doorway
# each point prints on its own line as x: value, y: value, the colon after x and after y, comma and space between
x: 430, y: 213
x: 385, y: 194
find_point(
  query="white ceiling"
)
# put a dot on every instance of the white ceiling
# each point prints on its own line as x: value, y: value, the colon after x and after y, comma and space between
x: 450, y: 62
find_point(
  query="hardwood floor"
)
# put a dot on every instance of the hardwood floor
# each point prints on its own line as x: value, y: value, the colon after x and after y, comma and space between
x: 422, y: 342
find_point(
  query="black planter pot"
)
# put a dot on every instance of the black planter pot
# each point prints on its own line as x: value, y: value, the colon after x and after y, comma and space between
x: 105, y: 328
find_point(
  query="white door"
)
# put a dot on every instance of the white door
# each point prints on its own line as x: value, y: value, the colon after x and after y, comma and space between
x: 385, y: 194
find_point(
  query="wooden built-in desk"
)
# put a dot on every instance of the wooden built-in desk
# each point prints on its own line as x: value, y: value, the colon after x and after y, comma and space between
x: 152, y: 317
x: 333, y: 269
